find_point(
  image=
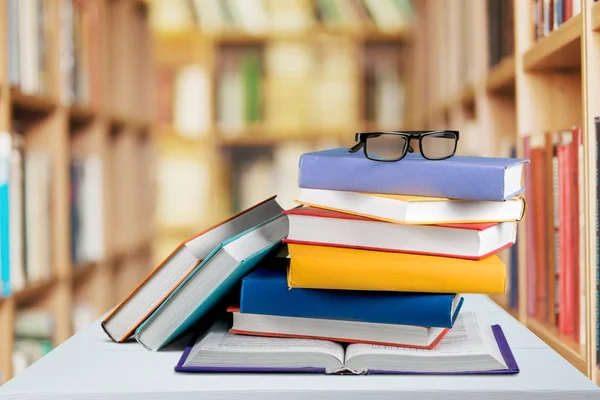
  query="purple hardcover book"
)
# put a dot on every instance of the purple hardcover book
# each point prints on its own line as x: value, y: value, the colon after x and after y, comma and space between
x: 512, y: 367
x: 458, y: 177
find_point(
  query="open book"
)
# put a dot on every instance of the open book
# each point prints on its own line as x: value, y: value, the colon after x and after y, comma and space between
x: 469, y: 348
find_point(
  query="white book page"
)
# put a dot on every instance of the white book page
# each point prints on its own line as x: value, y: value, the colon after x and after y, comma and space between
x: 219, y: 339
x: 465, y: 338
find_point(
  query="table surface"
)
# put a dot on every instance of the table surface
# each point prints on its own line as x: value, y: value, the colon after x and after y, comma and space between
x: 90, y: 366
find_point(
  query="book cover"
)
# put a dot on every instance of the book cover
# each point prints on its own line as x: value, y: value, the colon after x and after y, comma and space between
x: 319, y: 267
x: 221, y: 288
x: 468, y: 178
x: 161, y: 265
x: 263, y: 285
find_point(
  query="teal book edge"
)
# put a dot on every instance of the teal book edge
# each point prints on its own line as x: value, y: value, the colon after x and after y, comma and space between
x: 244, y: 267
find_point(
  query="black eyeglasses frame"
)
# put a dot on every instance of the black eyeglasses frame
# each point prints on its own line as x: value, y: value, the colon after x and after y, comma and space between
x: 361, y: 139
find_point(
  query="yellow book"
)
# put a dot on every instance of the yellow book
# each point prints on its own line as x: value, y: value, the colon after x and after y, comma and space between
x: 321, y: 267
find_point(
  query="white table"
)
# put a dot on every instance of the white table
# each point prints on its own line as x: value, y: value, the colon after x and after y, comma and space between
x: 89, y: 366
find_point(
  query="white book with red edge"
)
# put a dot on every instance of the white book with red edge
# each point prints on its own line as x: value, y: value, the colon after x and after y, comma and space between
x: 309, y: 225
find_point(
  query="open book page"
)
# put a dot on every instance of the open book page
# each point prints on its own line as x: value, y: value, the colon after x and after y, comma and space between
x: 218, y: 339
x: 465, y: 338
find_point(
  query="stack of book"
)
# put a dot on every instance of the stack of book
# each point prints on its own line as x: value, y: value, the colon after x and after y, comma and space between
x: 371, y: 281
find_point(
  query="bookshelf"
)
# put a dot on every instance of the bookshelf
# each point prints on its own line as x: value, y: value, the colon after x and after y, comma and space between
x: 545, y: 84
x: 99, y: 110
x: 233, y: 161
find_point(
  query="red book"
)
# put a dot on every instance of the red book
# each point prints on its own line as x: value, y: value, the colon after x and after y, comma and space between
x: 316, y: 226
x: 574, y: 198
x: 538, y: 209
x: 566, y: 317
x: 529, y: 231
x: 567, y: 9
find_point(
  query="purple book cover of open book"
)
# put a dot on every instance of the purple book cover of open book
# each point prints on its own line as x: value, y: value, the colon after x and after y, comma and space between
x: 509, y: 359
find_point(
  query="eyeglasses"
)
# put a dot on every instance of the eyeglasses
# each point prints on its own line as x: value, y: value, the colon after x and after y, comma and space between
x: 393, y: 145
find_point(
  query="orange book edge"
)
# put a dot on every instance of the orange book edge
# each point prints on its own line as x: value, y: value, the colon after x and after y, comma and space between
x: 395, y: 221
x: 160, y: 266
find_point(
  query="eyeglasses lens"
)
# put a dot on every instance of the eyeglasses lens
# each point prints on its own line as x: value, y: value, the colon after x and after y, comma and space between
x: 385, y: 147
x: 437, y: 146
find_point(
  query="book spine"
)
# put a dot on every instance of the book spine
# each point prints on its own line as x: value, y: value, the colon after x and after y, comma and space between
x: 5, y: 150
x: 435, y: 179
x: 387, y: 308
x: 529, y: 231
x: 549, y: 228
x: 539, y: 218
x: 597, y: 143
x: 514, y: 262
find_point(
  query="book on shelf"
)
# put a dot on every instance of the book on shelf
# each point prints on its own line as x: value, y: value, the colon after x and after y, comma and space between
x: 176, y: 173
x: 403, y: 209
x: 252, y: 176
x: 597, y: 172
x: 192, y: 105
x: 27, y: 36
x: 17, y: 214
x: 323, y: 227
x: 472, y: 347
x: 33, y: 332
x: 321, y: 267
x: 554, y: 227
x: 343, y: 331
x: 269, y: 282
x: 38, y: 221
x: 239, y: 95
x: 385, y: 14
x: 87, y: 218
x: 210, y: 281
x: 384, y: 100
x: 171, y: 15
x: 34, y: 324
x: 458, y: 177
x: 25, y: 222
x: 177, y: 267
x: 288, y: 67
x: 80, y: 44
x: 549, y: 15
x: 500, y: 30
x: 5, y: 216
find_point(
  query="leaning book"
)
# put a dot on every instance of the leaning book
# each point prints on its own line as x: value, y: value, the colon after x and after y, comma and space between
x: 471, y: 347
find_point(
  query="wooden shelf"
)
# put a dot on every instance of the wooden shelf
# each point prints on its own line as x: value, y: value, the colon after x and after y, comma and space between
x: 560, y: 50
x: 80, y: 115
x: 119, y: 120
x: 34, y: 290
x: 81, y: 271
x: 40, y: 104
x: 595, y: 10
x: 318, y: 32
x: 562, y: 344
x: 501, y: 78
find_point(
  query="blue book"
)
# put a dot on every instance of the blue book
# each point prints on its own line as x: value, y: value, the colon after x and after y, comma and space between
x: 5, y: 150
x: 264, y: 285
x: 466, y: 178
x: 210, y: 282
